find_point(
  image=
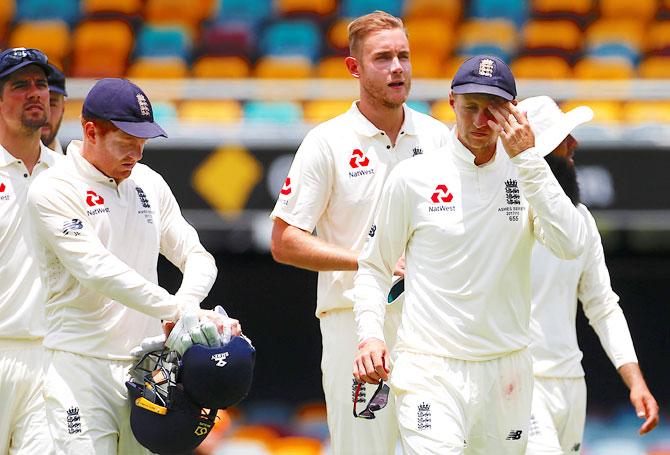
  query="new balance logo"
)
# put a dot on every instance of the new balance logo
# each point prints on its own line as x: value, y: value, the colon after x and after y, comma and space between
x: 514, y: 435
x: 220, y: 359
x: 576, y: 447
x: 358, y: 159
x: 286, y: 189
x: 92, y: 199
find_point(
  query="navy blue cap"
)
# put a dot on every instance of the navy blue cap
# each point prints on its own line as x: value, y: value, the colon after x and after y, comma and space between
x: 125, y: 105
x: 16, y: 58
x: 218, y: 377
x: 177, y: 431
x: 56, y: 80
x: 484, y: 74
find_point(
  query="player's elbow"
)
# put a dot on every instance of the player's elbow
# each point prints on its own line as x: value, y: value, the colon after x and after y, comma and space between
x: 278, y: 251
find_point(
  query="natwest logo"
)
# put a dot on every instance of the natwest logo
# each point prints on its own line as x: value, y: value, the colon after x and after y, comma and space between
x: 286, y: 189
x: 2, y: 187
x: 358, y: 159
x: 92, y: 199
x: 441, y: 194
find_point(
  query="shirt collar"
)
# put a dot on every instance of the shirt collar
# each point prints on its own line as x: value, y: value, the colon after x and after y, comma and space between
x: 86, y: 169
x: 47, y: 156
x: 364, y: 127
x: 464, y: 154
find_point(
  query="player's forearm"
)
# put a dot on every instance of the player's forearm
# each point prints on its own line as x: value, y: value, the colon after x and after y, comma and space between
x: 199, y: 276
x: 632, y: 375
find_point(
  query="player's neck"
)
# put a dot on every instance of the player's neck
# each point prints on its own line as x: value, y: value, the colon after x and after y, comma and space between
x: 387, y: 119
x: 24, y: 145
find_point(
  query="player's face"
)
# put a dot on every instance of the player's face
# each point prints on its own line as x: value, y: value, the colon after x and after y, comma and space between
x: 384, y: 68
x: 24, y: 99
x: 472, y: 116
x: 117, y: 153
x: 56, y: 109
x: 566, y: 149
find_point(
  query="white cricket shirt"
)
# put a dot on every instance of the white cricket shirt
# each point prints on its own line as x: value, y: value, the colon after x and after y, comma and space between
x: 99, y: 250
x: 467, y: 232
x: 336, y: 179
x: 22, y: 297
x: 556, y: 286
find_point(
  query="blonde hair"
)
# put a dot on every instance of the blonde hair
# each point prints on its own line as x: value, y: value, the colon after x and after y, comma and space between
x: 374, y: 22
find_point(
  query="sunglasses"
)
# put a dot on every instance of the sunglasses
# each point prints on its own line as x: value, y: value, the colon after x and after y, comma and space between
x: 21, y: 54
x: 378, y: 401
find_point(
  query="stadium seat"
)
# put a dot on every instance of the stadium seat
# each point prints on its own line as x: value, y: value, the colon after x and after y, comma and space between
x: 451, y: 66
x: 272, y: 112
x: 657, y: 40
x: 449, y: 11
x: 604, y: 111
x: 605, y: 32
x: 73, y: 109
x: 513, y: 10
x: 158, y: 68
x: 228, y: 67
x: 255, y: 432
x: 196, y: 111
x: 250, y: 12
x: 496, y: 36
x: 355, y: 8
x: 636, y: 112
x: 283, y: 68
x: 541, y: 67
x: 317, y: 111
x: 289, y: 38
x: 321, y: 8
x: 604, y: 68
x: 430, y: 36
x: 51, y: 37
x: 332, y: 67
x: 163, y: 41
x: 580, y: 10
x: 122, y: 7
x: 420, y: 106
x: 228, y: 39
x: 101, y: 48
x: 641, y: 10
x: 164, y: 111
x: 560, y: 37
x: 7, y: 11
x: 173, y: 12
x: 35, y: 10
x: 654, y: 67
x: 443, y: 111
x: 295, y: 445
x: 424, y: 65
x: 338, y: 35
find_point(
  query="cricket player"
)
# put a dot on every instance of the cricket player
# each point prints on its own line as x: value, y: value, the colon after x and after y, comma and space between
x: 57, y: 95
x: 466, y: 217
x: 333, y: 186
x: 101, y: 219
x: 24, y: 108
x: 559, y: 396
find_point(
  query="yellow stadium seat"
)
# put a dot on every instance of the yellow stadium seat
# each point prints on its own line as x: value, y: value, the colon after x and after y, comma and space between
x: 443, y: 111
x: 576, y: 7
x: 604, y: 68
x: 228, y: 67
x: 101, y: 48
x: 646, y: 112
x: 641, y: 10
x: 317, y: 111
x: 658, y: 37
x: 51, y: 37
x: 332, y: 68
x: 500, y: 32
x: 320, y: 7
x: 604, y: 111
x: 431, y: 36
x: 449, y: 11
x: 295, y: 445
x: 7, y: 10
x: 552, y: 34
x: 127, y: 7
x: 224, y: 111
x: 629, y: 31
x: 541, y: 67
x: 168, y: 12
x: 452, y: 64
x: 426, y: 65
x: 338, y: 34
x: 158, y: 68
x: 72, y: 109
x: 283, y: 68
x: 655, y: 67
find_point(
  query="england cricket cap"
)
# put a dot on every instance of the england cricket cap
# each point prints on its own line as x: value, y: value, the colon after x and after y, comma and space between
x: 484, y: 74
x: 549, y: 123
x: 125, y: 105
x: 56, y: 81
x: 218, y: 377
x: 18, y: 57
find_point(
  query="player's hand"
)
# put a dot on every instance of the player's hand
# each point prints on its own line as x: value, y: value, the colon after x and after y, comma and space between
x: 400, y: 267
x: 513, y: 128
x: 371, y: 363
x: 645, y: 407
x: 210, y: 328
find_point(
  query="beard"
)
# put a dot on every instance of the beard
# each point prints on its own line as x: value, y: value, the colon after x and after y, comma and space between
x: 566, y: 175
x: 34, y: 122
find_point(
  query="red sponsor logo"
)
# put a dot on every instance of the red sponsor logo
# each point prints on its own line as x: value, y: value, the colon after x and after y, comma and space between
x: 286, y: 189
x: 441, y: 194
x: 2, y: 187
x: 358, y: 159
x: 92, y: 199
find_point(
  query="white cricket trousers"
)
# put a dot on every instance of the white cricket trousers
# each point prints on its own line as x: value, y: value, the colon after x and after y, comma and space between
x: 557, y: 417
x: 87, y: 407
x: 23, y: 428
x: 449, y: 406
x: 349, y: 435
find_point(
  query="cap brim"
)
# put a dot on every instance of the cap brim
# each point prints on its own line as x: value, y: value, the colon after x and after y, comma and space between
x: 479, y: 88
x: 552, y: 138
x: 144, y: 130
x: 47, y: 69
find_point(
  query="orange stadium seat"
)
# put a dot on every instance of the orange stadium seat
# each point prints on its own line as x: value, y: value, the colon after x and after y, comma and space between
x: 452, y: 64
x: 224, y: 111
x: 498, y: 33
x: 552, y: 35
x: 443, y: 111
x: 338, y: 34
x: 7, y: 11
x: 73, y: 108
x: 657, y: 40
x: 626, y: 31
x: 101, y: 48
x: 425, y: 65
x: 171, y: 12
x: 449, y: 11
x: 604, y: 68
x: 295, y: 445
x: 654, y: 67
x: 319, y: 7
x: 641, y: 10
x: 261, y: 433
x: 637, y: 112
x: 541, y: 67
x: 125, y: 7
x: 283, y: 68
x: 431, y: 36
x: 317, y: 111
x: 158, y: 68
x: 51, y: 37
x: 332, y: 67
x: 229, y: 67
x: 604, y: 111
x: 562, y: 7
